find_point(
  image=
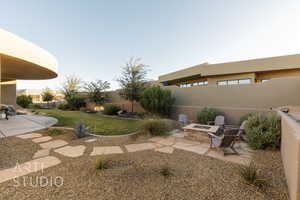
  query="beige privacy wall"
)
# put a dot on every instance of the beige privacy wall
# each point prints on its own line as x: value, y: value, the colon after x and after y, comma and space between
x: 237, y: 100
x: 114, y: 98
x: 290, y: 153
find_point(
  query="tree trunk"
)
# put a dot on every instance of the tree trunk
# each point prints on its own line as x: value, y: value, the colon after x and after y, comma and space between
x: 132, y: 107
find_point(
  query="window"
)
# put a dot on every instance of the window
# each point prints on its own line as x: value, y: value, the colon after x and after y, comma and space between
x: 245, y: 81
x: 234, y: 82
x: 221, y: 82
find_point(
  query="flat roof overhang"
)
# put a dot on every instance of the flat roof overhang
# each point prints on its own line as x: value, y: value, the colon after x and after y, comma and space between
x: 21, y: 59
x: 237, y: 67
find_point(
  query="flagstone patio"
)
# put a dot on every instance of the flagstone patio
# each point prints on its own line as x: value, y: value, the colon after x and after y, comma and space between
x: 157, y: 144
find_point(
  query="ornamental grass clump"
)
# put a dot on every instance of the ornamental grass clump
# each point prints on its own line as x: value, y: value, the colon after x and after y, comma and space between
x: 251, y: 175
x: 101, y: 163
x: 157, y: 127
x: 263, y: 130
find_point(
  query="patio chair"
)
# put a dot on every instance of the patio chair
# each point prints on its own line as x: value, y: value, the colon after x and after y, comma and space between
x: 183, y: 119
x: 227, y: 139
x: 219, y: 121
x: 7, y: 110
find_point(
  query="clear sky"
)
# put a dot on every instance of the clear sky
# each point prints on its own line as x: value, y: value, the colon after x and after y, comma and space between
x: 94, y: 38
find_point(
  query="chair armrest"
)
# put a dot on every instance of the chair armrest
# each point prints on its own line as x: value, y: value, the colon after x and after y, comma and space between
x: 214, y: 136
x: 210, y: 122
x: 231, y: 127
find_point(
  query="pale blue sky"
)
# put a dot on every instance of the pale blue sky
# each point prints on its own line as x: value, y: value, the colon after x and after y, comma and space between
x: 93, y: 39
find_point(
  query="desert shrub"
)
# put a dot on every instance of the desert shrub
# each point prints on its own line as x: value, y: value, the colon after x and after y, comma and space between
x: 75, y: 102
x: 111, y: 109
x: 157, y: 100
x: 246, y: 116
x: 24, y: 100
x: 157, y: 126
x: 263, y: 131
x: 81, y: 130
x: 207, y: 114
x: 55, y: 131
x: 101, y: 163
x: 166, y: 171
x: 250, y: 174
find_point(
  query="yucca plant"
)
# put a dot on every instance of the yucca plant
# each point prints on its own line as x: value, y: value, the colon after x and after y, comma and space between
x: 251, y: 175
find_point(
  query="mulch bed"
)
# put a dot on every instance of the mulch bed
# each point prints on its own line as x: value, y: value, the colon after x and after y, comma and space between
x: 137, y: 176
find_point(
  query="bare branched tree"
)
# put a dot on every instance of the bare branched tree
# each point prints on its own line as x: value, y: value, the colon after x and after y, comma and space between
x: 133, y: 80
x: 97, y: 91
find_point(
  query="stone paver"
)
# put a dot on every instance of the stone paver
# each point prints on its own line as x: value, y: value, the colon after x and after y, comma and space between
x: 167, y: 141
x: 177, y: 133
x: 42, y: 139
x: 53, y: 144
x: 199, y: 149
x: 165, y: 150
x: 91, y: 140
x: 71, y: 151
x: 29, y: 136
x: 106, y: 150
x: 238, y: 159
x: 140, y: 147
x: 41, y: 153
x: 28, y: 167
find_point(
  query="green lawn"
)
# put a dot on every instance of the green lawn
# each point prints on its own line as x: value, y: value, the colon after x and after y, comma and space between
x: 100, y: 124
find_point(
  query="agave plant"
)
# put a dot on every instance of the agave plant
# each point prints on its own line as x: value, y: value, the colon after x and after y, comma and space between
x: 81, y: 130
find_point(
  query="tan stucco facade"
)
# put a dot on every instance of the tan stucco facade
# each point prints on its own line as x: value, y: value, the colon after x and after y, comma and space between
x: 22, y: 60
x: 256, y: 70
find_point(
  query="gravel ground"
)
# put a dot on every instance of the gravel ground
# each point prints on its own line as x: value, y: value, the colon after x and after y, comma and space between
x: 14, y: 150
x: 137, y: 176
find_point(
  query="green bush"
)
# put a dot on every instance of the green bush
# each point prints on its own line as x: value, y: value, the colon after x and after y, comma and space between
x: 64, y: 106
x: 246, y: 116
x: 157, y: 100
x: 75, y: 102
x: 263, y: 131
x: 207, y: 114
x: 111, y: 109
x: 156, y: 127
x: 24, y: 101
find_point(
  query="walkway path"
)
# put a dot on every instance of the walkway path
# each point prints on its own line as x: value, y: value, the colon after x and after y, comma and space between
x: 21, y: 124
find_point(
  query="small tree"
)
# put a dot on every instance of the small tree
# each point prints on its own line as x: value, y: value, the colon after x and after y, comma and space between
x: 97, y: 91
x: 157, y: 100
x: 24, y: 100
x: 47, y: 95
x: 133, y: 81
x: 70, y: 88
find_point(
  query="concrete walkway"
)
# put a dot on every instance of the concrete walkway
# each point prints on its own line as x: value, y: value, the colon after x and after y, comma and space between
x: 21, y: 124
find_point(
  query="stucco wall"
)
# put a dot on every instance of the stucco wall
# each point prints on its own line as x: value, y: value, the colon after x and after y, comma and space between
x: 290, y: 152
x: 8, y: 93
x: 114, y: 98
x: 236, y: 100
